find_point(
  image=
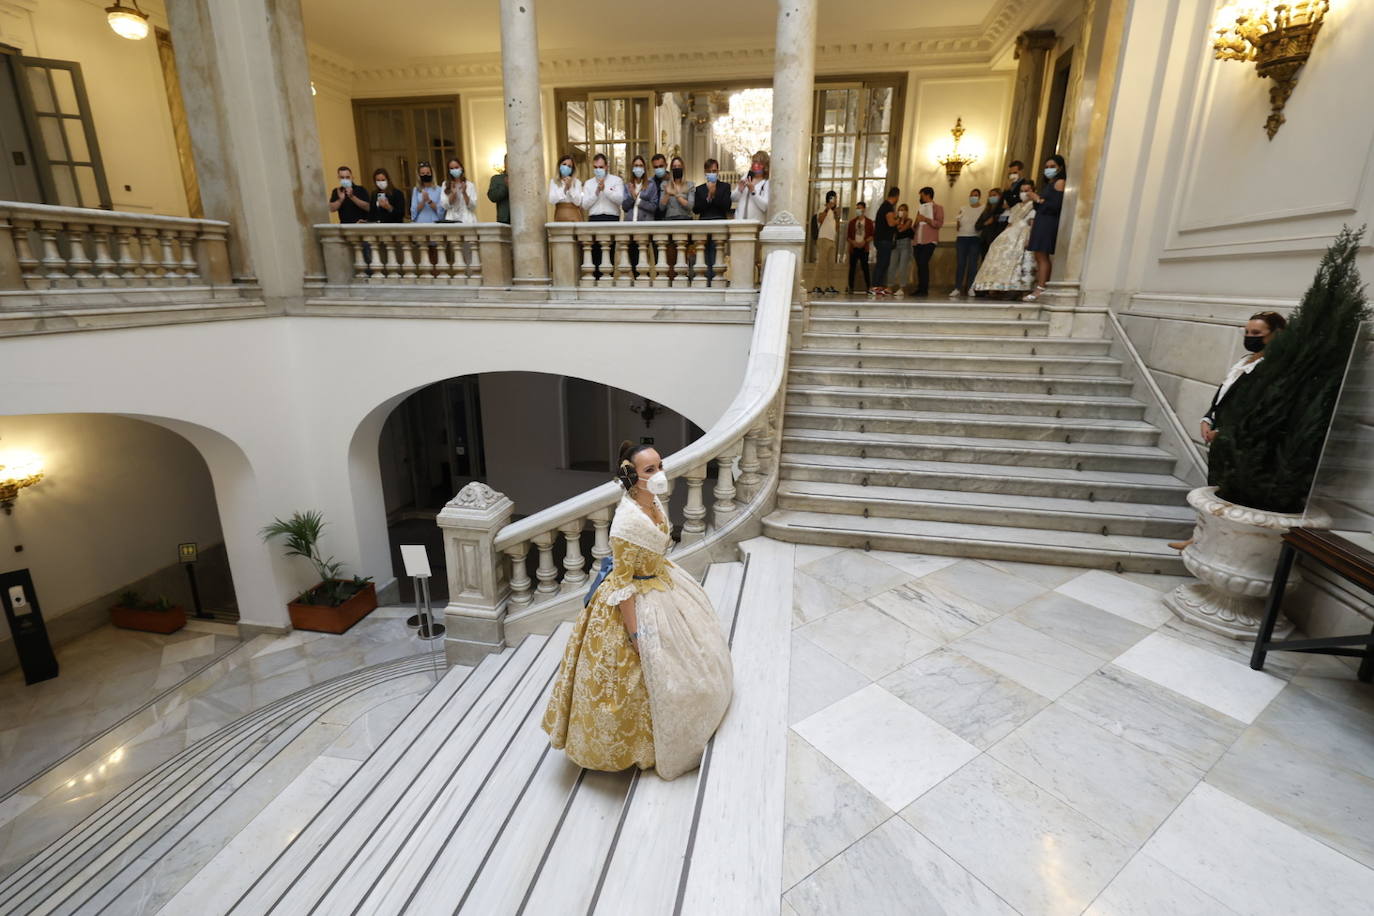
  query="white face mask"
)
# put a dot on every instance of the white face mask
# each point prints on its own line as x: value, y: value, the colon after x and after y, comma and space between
x: 1025, y: 195
x: 658, y: 484
x: 381, y: 184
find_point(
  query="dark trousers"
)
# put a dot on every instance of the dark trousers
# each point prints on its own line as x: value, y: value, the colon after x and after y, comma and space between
x: 858, y: 257
x: 596, y: 246
x: 884, y: 259
x: 966, y: 251
x: 923, y: 254
x: 711, y: 262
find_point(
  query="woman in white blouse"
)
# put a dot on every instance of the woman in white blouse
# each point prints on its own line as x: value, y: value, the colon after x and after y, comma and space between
x: 750, y: 195
x: 460, y: 195
x: 565, y: 192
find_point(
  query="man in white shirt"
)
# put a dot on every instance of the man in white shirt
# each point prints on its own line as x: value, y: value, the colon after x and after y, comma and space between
x: 967, y: 246
x: 603, y: 195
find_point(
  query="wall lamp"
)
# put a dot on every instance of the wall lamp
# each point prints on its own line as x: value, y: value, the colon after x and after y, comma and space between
x: 1278, y: 38
x: 954, y: 161
x: 17, y: 471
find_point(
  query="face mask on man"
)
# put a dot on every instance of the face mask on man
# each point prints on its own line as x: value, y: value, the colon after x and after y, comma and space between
x: 637, y: 171
x: 1051, y: 172
x: 658, y: 484
x: 599, y: 172
x: 860, y: 211
x: 712, y: 177
x: 381, y: 184
x: 1254, y: 344
x: 973, y: 199
x: 659, y: 171
x: 1014, y: 176
x: 455, y: 173
x: 1025, y: 195
x: 345, y: 183
x: 565, y: 170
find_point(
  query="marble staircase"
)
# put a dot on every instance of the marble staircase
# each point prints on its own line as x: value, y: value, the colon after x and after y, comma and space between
x: 964, y: 429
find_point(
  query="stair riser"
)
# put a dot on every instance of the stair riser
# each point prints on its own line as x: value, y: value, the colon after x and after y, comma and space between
x: 937, y: 480
x: 879, y: 400
x: 952, y: 362
x: 1164, y: 529
x: 1027, y: 346
x: 876, y: 326
x: 964, y: 454
x: 897, y: 381
x: 1040, y: 432
x: 1027, y: 553
x: 820, y: 309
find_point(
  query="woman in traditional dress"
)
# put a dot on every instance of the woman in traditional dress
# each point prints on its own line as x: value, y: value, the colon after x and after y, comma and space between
x: 1005, y: 268
x: 646, y: 674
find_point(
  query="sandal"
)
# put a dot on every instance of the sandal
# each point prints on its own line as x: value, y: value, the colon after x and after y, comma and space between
x: 1033, y: 295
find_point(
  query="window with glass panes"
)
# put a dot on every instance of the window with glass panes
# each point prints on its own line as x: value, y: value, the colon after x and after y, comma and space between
x: 53, y: 97
x: 399, y: 134
x: 620, y: 125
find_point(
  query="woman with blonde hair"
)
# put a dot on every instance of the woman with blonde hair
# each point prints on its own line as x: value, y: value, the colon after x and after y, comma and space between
x: 751, y: 193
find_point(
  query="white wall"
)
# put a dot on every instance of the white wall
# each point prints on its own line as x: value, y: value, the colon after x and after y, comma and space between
x: 118, y: 496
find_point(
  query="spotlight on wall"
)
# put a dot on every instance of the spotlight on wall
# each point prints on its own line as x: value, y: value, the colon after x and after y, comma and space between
x: 1277, y: 38
x: 17, y: 471
x: 126, y: 22
x: 954, y: 161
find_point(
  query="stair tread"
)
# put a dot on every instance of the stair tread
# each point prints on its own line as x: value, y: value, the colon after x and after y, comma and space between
x: 1042, y: 322
x: 861, y: 440
x: 945, y: 354
x: 1071, y: 541
x: 896, y: 413
x: 880, y: 372
x: 1057, y: 504
x: 978, y: 338
x: 958, y: 395
x: 994, y: 471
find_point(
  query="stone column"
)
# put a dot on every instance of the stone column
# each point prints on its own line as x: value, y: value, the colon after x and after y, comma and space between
x: 794, y: 79
x: 478, y: 586
x: 245, y: 78
x: 1032, y: 48
x: 524, y: 143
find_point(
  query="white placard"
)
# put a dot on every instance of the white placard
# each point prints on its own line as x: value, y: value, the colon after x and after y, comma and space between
x: 416, y: 559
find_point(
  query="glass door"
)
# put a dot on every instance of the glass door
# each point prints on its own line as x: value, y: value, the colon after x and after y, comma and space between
x: 619, y: 124
x: 854, y: 142
x: 52, y: 95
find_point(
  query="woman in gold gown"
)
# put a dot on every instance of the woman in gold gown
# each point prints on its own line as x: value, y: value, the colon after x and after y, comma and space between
x: 646, y: 675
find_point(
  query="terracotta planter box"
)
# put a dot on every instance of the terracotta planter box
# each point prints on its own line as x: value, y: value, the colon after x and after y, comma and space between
x: 168, y: 621
x: 323, y: 619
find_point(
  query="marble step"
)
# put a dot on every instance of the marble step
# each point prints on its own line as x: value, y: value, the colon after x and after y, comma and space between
x: 400, y: 773
x: 1162, y: 522
x: 985, y: 542
x: 107, y: 851
x: 964, y: 403
x: 955, y: 343
x: 873, y: 326
x: 973, y: 426
x: 880, y: 379
x: 1092, y: 486
x: 1144, y: 459
x: 944, y: 361
x: 1006, y: 311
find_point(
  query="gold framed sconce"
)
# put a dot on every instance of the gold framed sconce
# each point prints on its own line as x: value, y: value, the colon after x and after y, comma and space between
x: 954, y: 160
x: 17, y: 471
x: 1277, y: 37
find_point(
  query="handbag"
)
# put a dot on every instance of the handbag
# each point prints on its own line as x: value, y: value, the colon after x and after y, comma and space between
x: 602, y: 572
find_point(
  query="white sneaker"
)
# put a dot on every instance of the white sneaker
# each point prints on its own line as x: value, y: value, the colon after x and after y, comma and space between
x: 954, y: 294
x: 898, y: 293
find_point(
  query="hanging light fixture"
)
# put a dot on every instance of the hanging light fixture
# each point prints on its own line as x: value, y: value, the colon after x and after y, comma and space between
x: 954, y: 160
x: 747, y: 126
x: 126, y: 22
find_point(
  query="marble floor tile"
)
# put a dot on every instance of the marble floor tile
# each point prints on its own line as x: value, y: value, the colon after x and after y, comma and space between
x: 1153, y: 717
x: 1040, y: 573
x: 1342, y: 733
x: 1254, y: 863
x: 894, y: 871
x: 976, y: 703
x: 1027, y: 656
x: 1337, y: 686
x: 1146, y: 888
x: 1157, y: 581
x: 1080, y: 625
x: 1282, y: 665
x: 985, y: 586
x: 1125, y: 788
x: 817, y: 679
x: 930, y: 609
x: 1120, y: 596
x: 856, y: 574
x: 826, y: 810
x: 868, y: 640
x: 188, y: 649
x: 1227, y: 686
x: 1035, y: 852
x: 813, y: 599
x: 891, y: 749
x: 913, y: 564
x: 807, y: 553
x: 1305, y: 786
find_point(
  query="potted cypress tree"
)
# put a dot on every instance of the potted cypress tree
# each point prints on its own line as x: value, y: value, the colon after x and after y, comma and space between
x: 335, y: 603
x: 1266, y: 453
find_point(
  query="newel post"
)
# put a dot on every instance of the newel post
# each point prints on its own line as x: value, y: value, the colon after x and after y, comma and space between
x: 478, y: 583
x: 338, y: 258
x: 494, y: 246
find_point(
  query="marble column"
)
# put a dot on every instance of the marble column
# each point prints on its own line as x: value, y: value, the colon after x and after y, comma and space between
x: 1032, y: 49
x: 524, y: 143
x: 794, y: 78
x: 245, y: 79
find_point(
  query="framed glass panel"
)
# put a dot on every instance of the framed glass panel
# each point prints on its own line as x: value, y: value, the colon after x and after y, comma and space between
x: 65, y: 186
x: 57, y: 119
x: 64, y: 91
x: 40, y: 90
x: 399, y: 134
x: 76, y: 140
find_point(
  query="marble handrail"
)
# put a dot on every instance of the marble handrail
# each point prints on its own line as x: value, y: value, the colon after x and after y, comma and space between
x: 655, y: 254
x: 416, y: 254
x: 45, y: 247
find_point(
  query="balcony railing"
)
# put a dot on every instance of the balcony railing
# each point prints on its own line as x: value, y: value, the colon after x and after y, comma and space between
x: 456, y: 257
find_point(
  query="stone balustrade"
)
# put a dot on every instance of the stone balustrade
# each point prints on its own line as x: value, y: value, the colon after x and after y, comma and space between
x: 704, y: 256
x: 69, y: 248
x: 453, y: 256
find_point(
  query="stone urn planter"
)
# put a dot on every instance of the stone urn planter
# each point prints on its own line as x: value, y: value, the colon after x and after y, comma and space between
x: 1234, y: 552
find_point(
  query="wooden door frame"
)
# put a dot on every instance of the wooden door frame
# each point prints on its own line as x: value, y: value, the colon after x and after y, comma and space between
x: 360, y: 107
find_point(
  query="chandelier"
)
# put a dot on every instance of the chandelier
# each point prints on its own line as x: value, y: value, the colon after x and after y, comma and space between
x: 1277, y: 37
x: 954, y: 161
x: 748, y: 125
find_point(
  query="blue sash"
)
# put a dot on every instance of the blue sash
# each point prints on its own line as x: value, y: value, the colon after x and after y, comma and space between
x: 601, y: 573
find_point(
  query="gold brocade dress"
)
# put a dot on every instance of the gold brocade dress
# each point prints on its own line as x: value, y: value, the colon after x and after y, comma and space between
x: 612, y: 707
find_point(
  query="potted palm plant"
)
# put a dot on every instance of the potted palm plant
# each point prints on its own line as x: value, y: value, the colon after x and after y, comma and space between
x: 1266, y: 454
x: 132, y: 612
x: 335, y: 603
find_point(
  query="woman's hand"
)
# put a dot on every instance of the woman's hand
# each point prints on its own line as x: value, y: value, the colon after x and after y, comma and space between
x: 1208, y: 434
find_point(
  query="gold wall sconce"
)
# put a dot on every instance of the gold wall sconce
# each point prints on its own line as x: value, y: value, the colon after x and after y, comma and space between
x: 954, y: 161
x: 1278, y: 37
x: 17, y: 471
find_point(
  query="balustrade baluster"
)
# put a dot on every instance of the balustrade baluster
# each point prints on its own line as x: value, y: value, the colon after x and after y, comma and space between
x: 78, y: 263
x: 104, y: 263
x: 384, y: 264
x: 574, y: 564
x: 474, y: 261
x: 643, y: 275
x: 460, y: 263
x: 694, y: 513
x: 607, y: 277
x: 749, y: 478
x: 186, y: 244
x: 171, y: 264
x: 129, y: 266
x: 699, y: 257
x: 601, y: 535
x: 30, y: 268
x: 520, y: 592
x: 408, y: 274
x: 725, y: 507
x: 150, y: 260
x: 586, y: 241
x: 682, y: 275
x: 661, y: 261
x: 444, y: 269
x: 54, y: 265
x: 624, y: 276
x: 547, y: 573
x: 360, y: 264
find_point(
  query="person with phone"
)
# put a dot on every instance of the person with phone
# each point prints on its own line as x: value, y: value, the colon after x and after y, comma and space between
x: 750, y: 195
x: 352, y: 202
x: 389, y: 204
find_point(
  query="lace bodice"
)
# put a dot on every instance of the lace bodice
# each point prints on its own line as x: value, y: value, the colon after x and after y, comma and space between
x: 638, y: 549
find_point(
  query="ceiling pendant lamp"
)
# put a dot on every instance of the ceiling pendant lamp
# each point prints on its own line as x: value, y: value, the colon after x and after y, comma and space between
x: 126, y: 22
